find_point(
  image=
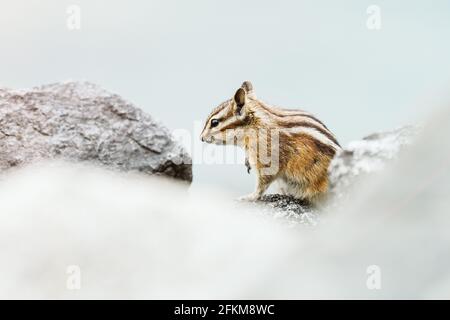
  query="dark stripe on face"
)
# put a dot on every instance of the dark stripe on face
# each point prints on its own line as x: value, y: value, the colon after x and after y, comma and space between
x: 236, y: 124
x: 218, y: 109
x: 294, y: 124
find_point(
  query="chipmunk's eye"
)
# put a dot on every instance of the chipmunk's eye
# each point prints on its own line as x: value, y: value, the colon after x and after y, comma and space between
x: 214, y: 123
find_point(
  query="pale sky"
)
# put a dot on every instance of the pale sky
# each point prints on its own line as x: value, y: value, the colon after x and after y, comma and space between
x: 179, y: 59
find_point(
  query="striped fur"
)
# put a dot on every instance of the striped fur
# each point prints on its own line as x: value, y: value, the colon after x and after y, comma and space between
x: 306, y: 145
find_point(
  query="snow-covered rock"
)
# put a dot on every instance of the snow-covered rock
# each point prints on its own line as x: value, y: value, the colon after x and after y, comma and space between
x: 80, y: 121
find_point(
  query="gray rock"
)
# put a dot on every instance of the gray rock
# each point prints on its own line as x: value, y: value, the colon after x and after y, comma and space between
x: 359, y: 159
x: 79, y: 121
x: 288, y: 209
x: 366, y: 156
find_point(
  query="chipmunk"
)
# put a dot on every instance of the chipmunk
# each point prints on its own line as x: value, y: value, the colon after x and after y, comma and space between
x: 305, y: 145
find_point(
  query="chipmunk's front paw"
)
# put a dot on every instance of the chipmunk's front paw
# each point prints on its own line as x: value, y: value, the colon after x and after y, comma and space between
x: 250, y: 197
x: 247, y: 164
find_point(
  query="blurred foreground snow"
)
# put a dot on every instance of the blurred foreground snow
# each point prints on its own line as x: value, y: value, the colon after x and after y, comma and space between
x: 148, y: 238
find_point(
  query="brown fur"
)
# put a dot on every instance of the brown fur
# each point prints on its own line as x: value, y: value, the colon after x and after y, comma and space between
x: 303, y: 158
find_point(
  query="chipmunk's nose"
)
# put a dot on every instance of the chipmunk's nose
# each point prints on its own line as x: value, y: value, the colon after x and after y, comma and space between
x: 202, y: 139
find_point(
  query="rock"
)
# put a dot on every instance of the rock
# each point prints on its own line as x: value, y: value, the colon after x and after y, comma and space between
x: 79, y: 121
x: 368, y: 155
x: 288, y: 209
x: 352, y: 163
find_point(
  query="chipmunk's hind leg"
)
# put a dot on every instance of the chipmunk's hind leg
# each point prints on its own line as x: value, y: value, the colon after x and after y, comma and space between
x: 283, y: 187
x: 293, y: 189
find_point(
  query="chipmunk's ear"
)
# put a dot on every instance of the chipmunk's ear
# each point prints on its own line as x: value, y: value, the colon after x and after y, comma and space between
x: 239, y: 99
x: 248, y: 87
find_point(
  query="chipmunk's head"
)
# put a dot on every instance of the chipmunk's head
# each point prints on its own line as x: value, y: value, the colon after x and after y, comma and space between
x: 228, y: 116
